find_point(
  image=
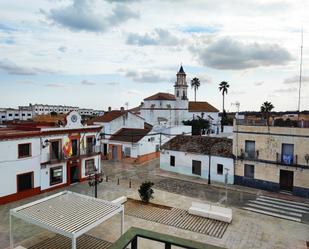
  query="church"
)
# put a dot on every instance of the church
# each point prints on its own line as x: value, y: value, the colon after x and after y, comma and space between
x: 171, y: 109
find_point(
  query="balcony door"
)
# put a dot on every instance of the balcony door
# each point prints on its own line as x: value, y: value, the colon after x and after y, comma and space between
x: 286, y: 180
x: 250, y: 149
x: 55, y: 150
x: 287, y: 153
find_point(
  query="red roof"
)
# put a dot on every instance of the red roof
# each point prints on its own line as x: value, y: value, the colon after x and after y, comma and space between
x: 161, y: 96
x: 107, y: 117
x: 130, y: 135
x: 201, y: 107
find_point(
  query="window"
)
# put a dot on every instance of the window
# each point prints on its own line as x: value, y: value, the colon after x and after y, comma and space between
x: 56, y: 175
x: 177, y: 94
x: 24, y: 181
x: 90, y: 144
x: 249, y: 171
x: 24, y: 150
x: 3, y: 117
x: 10, y: 114
x: 55, y: 150
x: 23, y: 114
x: 104, y: 149
x: 172, y: 161
x: 157, y: 147
x: 287, y: 153
x: 127, y: 151
x: 16, y: 114
x: 250, y: 149
x: 74, y: 147
x: 219, y: 169
x: 196, y: 167
x: 89, y: 166
x: 29, y: 114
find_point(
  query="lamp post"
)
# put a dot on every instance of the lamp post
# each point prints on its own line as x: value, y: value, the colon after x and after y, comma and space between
x: 94, y: 180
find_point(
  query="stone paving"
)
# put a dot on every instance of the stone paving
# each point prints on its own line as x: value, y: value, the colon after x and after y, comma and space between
x: 248, y: 229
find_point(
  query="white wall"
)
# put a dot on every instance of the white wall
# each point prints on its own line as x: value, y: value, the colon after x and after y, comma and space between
x: 10, y: 165
x: 183, y: 165
x: 45, y: 175
x: 97, y: 164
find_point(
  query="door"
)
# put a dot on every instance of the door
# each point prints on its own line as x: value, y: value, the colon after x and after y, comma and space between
x: 286, y: 180
x: 115, y: 157
x: 24, y: 181
x: 196, y: 167
x: 73, y: 174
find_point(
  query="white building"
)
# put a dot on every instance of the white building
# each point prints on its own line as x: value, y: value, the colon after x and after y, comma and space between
x: 172, y: 109
x: 127, y: 136
x: 189, y: 155
x: 10, y: 114
x: 40, y: 159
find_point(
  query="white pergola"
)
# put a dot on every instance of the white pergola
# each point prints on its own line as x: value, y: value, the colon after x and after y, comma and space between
x: 67, y: 213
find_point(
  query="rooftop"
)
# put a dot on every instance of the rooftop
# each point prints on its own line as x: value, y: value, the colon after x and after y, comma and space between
x: 199, y: 106
x: 130, y: 135
x: 107, y: 117
x: 161, y: 96
x: 201, y: 145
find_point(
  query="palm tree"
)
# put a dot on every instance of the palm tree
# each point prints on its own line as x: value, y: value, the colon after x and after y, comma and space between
x: 195, y: 83
x: 266, y: 108
x: 223, y: 86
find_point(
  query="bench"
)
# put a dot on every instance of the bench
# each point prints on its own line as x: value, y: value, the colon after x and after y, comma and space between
x: 120, y: 200
x: 211, y: 211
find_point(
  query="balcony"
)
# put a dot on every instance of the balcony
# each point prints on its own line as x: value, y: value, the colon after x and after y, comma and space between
x: 53, y: 158
x: 249, y: 155
x: 90, y: 150
x: 287, y: 159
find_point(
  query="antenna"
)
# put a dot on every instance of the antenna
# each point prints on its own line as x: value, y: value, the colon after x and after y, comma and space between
x: 300, y: 69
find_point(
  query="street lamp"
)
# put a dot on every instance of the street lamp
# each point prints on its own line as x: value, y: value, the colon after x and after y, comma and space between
x: 94, y: 180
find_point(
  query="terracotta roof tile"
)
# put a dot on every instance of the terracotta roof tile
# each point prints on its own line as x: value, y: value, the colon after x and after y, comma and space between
x: 107, y: 117
x: 161, y: 96
x: 201, y: 145
x: 130, y: 135
x: 201, y: 107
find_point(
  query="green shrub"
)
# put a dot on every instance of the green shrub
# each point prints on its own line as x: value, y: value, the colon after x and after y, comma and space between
x: 145, y: 191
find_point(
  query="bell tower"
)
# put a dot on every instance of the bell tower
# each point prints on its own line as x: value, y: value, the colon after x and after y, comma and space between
x: 181, y: 85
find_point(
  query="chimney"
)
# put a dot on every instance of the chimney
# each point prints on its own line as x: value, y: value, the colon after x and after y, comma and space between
x: 122, y: 109
x: 109, y: 109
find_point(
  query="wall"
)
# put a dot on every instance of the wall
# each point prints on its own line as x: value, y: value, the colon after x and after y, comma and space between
x: 97, y: 163
x: 45, y: 175
x: 10, y: 165
x: 183, y: 165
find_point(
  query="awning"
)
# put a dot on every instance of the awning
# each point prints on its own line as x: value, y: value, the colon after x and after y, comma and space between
x: 67, y: 213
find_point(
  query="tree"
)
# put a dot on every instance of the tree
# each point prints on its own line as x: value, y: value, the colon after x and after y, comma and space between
x: 195, y: 84
x: 223, y: 86
x: 266, y: 108
x: 199, y: 125
x: 145, y: 191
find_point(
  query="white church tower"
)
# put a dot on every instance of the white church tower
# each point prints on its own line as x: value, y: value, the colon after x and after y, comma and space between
x: 181, y: 89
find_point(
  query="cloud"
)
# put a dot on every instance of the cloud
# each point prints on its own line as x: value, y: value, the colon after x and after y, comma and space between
x: 26, y: 82
x: 157, y: 37
x: 286, y: 90
x: 238, y: 92
x: 11, y: 68
x: 113, y: 83
x: 204, y: 78
x: 295, y: 79
x: 145, y: 76
x: 88, y: 83
x: 82, y: 15
x: 200, y: 29
x: 133, y: 92
x: 62, y: 49
x: 258, y: 83
x: 6, y: 28
x: 227, y: 53
x: 55, y: 85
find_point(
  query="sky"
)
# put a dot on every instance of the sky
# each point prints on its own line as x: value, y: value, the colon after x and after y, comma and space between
x: 101, y: 53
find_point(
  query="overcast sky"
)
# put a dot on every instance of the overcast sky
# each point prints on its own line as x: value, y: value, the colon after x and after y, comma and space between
x: 100, y: 53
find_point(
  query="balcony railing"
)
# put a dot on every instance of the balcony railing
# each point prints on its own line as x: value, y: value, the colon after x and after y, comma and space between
x: 287, y: 159
x: 54, y: 157
x: 90, y: 150
x: 131, y: 236
x: 249, y: 155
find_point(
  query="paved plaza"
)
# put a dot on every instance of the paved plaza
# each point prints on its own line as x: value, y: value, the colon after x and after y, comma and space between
x: 248, y: 229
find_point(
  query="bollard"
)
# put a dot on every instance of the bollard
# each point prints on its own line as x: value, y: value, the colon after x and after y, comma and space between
x: 118, y: 182
x: 130, y: 184
x: 106, y: 178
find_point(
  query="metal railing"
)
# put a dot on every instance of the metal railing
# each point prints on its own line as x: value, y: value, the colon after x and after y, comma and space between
x: 131, y: 236
x: 55, y: 157
x: 249, y: 155
x: 287, y: 159
x: 90, y: 150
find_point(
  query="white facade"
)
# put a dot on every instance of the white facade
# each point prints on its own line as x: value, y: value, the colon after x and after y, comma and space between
x: 183, y: 165
x: 173, y: 109
x: 39, y: 162
x: 9, y: 114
